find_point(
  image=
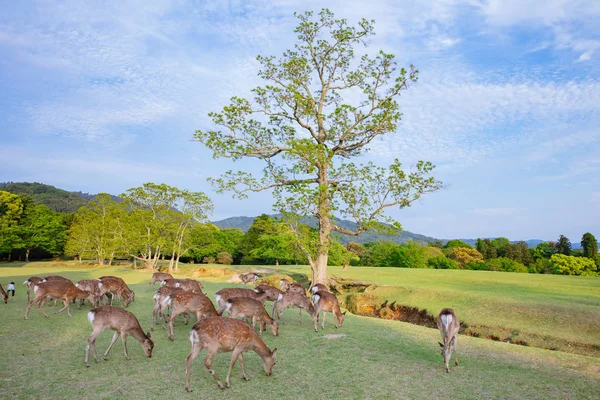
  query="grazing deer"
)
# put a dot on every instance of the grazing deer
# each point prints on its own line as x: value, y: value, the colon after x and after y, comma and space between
x: 160, y: 306
x: 187, y: 284
x: 327, y: 302
x: 319, y: 287
x: 50, y: 278
x: 196, y: 303
x: 223, y: 295
x: 159, y: 277
x: 288, y: 286
x: 123, y: 322
x: 4, y: 294
x: 63, y: 290
x: 220, y: 334
x: 272, y: 292
x: 245, y: 307
x: 116, y: 287
x: 92, y: 286
x: 448, y: 325
x: 249, y: 277
x: 289, y: 299
x: 30, y: 283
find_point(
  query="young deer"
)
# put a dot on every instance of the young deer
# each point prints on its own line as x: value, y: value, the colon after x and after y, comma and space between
x: 92, y: 286
x: 116, y: 287
x: 288, y: 286
x: 187, y: 284
x: 448, y: 325
x: 161, y: 307
x: 123, y: 322
x: 30, y: 283
x: 327, y: 302
x: 196, y: 303
x: 159, y: 277
x: 223, y: 295
x: 289, y: 299
x: 245, y: 307
x: 249, y: 277
x: 63, y: 290
x: 220, y: 334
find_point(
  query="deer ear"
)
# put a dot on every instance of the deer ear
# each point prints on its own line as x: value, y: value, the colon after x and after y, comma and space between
x: 273, y: 352
x: 441, y: 344
x: 148, y: 335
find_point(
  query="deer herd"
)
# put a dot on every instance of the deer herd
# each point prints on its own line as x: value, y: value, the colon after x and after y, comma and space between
x: 212, y: 331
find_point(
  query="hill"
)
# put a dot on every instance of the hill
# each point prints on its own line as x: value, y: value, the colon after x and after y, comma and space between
x: 56, y: 199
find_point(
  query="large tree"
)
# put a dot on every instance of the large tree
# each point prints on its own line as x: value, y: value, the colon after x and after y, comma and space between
x: 321, y: 106
x: 589, y: 244
x: 563, y: 246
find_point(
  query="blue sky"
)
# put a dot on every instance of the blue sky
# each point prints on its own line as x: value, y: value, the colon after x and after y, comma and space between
x: 103, y: 96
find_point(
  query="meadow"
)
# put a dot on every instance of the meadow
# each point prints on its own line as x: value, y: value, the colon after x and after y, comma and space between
x: 366, y: 358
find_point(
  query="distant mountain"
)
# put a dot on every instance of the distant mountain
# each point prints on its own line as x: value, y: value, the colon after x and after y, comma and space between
x: 244, y: 224
x: 56, y: 199
x: 531, y: 242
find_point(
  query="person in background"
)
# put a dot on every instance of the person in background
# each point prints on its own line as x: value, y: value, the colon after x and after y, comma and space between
x: 11, y: 288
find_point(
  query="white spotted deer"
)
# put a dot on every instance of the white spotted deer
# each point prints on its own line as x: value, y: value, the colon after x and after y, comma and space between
x: 288, y: 286
x: 291, y: 299
x: 318, y: 288
x: 116, y: 287
x: 245, y: 307
x: 190, y: 285
x: 123, y: 322
x: 161, y: 307
x: 272, y: 292
x: 63, y: 290
x: 196, y: 303
x: 223, y: 295
x: 449, y: 326
x: 220, y: 334
x: 327, y: 302
x: 30, y: 283
x: 92, y: 286
x: 159, y: 277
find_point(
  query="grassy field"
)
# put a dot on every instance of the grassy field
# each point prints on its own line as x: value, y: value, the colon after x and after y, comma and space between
x: 43, y: 358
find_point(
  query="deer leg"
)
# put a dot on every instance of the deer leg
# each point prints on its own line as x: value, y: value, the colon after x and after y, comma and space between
x: 300, y: 310
x: 40, y: 304
x: 124, y: 340
x: 66, y: 304
x: 234, y: 357
x: 155, y: 314
x: 454, y: 349
x: 241, y: 358
x: 274, y: 309
x: 208, y: 365
x: 316, y: 319
x: 29, y: 304
x: 92, y: 344
x: 171, y: 318
x: 114, y: 339
x: 323, y: 322
x: 196, y: 349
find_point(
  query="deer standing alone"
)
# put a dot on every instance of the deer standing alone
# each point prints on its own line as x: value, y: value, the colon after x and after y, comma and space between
x: 327, y: 302
x: 63, y: 290
x: 123, y: 322
x: 218, y: 334
x: 245, y: 307
x: 448, y: 325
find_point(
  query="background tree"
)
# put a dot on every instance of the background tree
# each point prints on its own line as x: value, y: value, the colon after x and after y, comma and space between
x: 501, y: 243
x: 11, y: 212
x: 589, y: 244
x: 43, y: 229
x: 463, y: 255
x: 456, y: 243
x: 563, y: 246
x: 543, y: 250
x: 321, y: 107
x: 569, y: 265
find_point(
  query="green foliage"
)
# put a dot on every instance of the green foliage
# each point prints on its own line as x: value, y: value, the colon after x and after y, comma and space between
x: 56, y: 199
x: 486, y: 248
x: 519, y: 252
x: 11, y: 212
x: 501, y: 243
x: 442, y: 262
x: 569, y: 265
x: 207, y: 240
x: 457, y: 243
x: 409, y: 255
x: 563, y: 246
x: 589, y: 244
x: 543, y: 250
x: 224, y: 258
x: 505, y: 264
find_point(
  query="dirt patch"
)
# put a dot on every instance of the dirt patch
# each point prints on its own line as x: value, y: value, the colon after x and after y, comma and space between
x: 334, y: 335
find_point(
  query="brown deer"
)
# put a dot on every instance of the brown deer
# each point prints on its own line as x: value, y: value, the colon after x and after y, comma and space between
x: 160, y: 305
x: 249, y: 277
x: 92, y: 286
x: 123, y: 322
x: 30, y: 283
x: 4, y: 294
x: 319, y: 287
x: 220, y: 334
x: 116, y: 287
x: 159, y: 277
x: 187, y: 284
x: 245, y: 307
x: 223, y: 295
x: 327, y: 302
x: 50, y: 278
x: 289, y: 299
x: 448, y: 325
x: 288, y: 286
x: 191, y: 302
x: 63, y: 290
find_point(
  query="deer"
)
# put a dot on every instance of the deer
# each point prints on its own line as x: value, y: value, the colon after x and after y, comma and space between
x: 327, y: 302
x: 196, y: 303
x: 49, y: 278
x: 289, y: 299
x: 123, y: 322
x: 159, y: 277
x: 30, y: 283
x: 448, y: 325
x: 116, y: 286
x: 160, y: 306
x: 286, y: 286
x: 4, y: 294
x: 245, y: 307
x: 63, y: 290
x: 187, y: 284
x: 223, y: 295
x: 92, y: 286
x: 272, y: 292
x: 249, y: 277
x: 319, y: 287
x: 218, y: 334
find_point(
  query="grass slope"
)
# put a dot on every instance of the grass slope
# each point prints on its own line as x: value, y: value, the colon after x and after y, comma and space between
x: 43, y: 358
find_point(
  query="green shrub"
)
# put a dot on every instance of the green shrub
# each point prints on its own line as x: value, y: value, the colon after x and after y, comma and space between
x: 442, y: 262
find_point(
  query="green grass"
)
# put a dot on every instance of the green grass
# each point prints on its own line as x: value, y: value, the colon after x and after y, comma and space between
x: 43, y: 358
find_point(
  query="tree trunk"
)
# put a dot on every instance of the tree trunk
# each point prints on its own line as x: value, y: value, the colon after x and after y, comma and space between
x: 171, y: 262
x: 9, y: 254
x: 319, y: 270
x: 27, y: 255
